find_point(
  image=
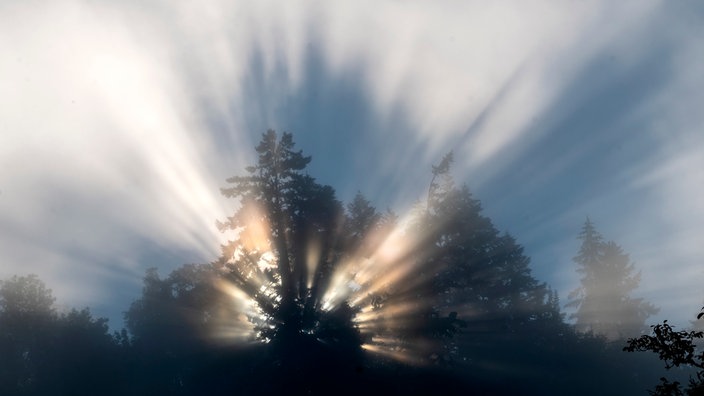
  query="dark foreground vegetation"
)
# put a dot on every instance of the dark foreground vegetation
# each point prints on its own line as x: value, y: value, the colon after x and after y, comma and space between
x: 316, y: 297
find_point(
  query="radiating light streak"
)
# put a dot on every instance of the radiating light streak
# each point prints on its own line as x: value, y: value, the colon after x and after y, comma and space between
x: 235, y: 319
x: 241, y: 300
x: 391, y: 312
x: 313, y: 254
x: 393, y: 353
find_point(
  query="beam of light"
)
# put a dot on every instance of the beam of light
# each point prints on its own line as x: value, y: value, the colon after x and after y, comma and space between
x: 255, y: 230
x: 387, y: 264
x: 391, y: 312
x: 313, y: 253
x: 235, y: 319
x: 389, y: 350
x: 338, y: 289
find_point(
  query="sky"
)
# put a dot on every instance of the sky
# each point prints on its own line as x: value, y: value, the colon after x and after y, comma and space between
x: 120, y: 121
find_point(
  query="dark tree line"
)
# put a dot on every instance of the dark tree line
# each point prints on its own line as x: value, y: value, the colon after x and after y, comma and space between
x: 313, y: 296
x: 44, y: 352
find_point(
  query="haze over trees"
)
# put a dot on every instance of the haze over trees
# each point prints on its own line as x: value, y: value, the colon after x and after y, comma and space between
x: 312, y: 296
x: 603, y: 301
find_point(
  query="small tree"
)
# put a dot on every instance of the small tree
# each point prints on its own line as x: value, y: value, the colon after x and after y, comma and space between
x: 603, y: 300
x: 27, y: 318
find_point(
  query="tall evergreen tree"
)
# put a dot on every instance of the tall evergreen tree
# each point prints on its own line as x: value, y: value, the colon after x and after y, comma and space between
x: 473, y: 262
x: 362, y: 220
x: 472, y: 272
x: 603, y: 300
x: 288, y: 244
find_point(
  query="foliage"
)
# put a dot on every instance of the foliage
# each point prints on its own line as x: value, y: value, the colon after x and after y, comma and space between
x: 675, y: 348
x: 475, y: 268
x: 284, y: 214
x: 44, y: 352
x: 25, y: 296
x: 603, y: 300
x: 26, y: 319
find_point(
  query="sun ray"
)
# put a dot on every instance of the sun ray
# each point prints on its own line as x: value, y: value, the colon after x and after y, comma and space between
x: 313, y: 254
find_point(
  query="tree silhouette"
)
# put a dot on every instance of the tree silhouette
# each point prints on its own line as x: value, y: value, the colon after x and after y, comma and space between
x: 603, y: 300
x: 481, y: 273
x: 287, y: 247
x: 27, y: 316
x: 43, y: 352
x: 363, y: 220
x: 84, y: 359
x: 675, y: 348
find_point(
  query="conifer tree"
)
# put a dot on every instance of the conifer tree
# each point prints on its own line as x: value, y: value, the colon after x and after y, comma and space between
x: 284, y: 216
x: 603, y: 299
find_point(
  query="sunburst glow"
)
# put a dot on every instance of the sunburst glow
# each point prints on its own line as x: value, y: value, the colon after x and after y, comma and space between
x: 254, y: 236
x: 382, y: 280
x: 235, y: 319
